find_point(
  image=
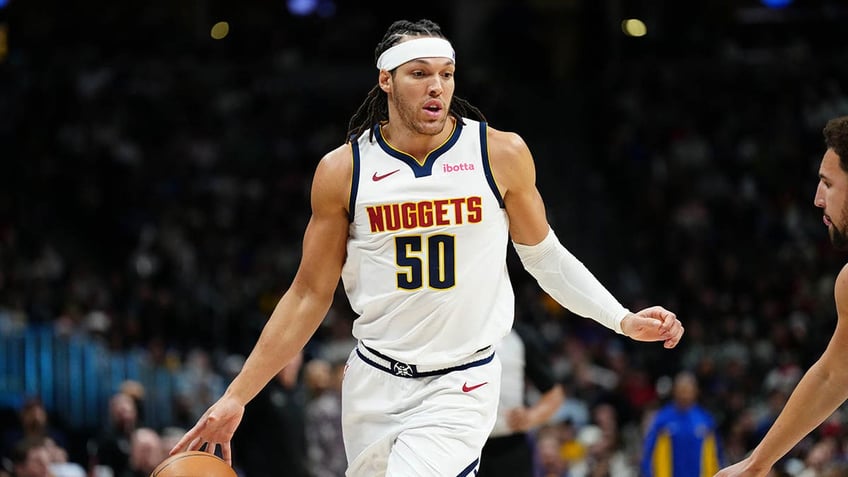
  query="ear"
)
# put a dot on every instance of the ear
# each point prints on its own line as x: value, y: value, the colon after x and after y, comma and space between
x: 385, y: 81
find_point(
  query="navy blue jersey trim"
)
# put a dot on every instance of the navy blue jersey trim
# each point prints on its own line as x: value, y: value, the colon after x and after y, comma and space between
x: 471, y: 467
x: 487, y: 167
x: 420, y: 170
x: 408, y: 370
x: 354, y: 180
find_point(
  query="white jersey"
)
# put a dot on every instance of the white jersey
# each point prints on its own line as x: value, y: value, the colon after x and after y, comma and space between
x: 426, y: 258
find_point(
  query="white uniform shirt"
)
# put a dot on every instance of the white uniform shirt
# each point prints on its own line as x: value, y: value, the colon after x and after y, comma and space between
x: 426, y: 258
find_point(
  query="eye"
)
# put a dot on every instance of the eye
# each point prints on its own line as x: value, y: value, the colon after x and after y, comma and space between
x: 418, y: 73
x: 448, y: 74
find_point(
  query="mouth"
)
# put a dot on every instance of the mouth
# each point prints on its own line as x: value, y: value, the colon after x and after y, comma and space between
x: 433, y: 108
x: 826, y: 220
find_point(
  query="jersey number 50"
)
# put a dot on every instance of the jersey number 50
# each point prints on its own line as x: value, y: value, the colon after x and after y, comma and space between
x: 439, y: 260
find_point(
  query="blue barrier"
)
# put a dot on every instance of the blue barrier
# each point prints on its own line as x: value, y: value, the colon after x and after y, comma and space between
x: 76, y: 375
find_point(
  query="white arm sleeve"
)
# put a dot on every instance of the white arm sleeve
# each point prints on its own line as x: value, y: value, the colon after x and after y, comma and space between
x: 570, y: 283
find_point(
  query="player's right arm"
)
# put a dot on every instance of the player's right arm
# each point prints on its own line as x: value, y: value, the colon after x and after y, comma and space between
x: 297, y: 314
x: 823, y: 388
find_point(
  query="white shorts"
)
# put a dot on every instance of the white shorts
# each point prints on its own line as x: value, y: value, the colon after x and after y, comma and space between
x: 432, y: 426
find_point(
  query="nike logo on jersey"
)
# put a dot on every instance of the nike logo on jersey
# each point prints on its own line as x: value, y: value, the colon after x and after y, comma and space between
x: 467, y: 389
x: 376, y: 177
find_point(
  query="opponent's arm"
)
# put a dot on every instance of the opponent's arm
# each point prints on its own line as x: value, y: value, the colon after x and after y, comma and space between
x: 558, y: 272
x: 297, y: 314
x: 823, y: 388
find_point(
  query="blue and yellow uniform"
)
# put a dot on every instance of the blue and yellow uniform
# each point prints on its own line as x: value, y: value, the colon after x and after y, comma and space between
x: 681, y: 443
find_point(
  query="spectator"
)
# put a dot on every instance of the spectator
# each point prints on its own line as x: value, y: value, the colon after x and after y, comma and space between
x: 681, y: 440
x: 146, y: 452
x: 602, y: 457
x: 111, y: 447
x: 30, y: 458
x: 323, y: 422
x: 34, y: 423
x: 274, y: 442
x: 60, y: 466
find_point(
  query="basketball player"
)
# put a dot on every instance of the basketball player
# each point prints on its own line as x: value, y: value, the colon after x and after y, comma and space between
x: 824, y: 386
x: 414, y: 213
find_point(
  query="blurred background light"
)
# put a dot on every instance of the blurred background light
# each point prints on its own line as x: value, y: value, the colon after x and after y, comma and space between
x: 220, y: 30
x: 634, y: 27
x: 302, y: 7
x: 776, y: 3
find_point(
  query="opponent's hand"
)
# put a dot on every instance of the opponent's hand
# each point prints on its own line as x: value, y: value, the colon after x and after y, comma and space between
x: 215, y: 427
x: 653, y: 324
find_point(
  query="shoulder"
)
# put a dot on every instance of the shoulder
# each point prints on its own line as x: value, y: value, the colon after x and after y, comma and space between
x: 842, y: 277
x: 505, y: 143
x: 333, y: 174
x: 339, y: 159
x: 841, y: 284
x: 510, y: 158
x: 336, y: 164
x: 840, y: 290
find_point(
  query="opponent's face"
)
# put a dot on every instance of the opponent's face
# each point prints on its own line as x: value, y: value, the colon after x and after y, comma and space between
x: 832, y: 196
x: 420, y: 92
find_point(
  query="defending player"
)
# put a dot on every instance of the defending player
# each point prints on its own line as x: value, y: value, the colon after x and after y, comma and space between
x: 825, y: 385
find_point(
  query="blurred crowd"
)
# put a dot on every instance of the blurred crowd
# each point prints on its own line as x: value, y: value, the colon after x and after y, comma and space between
x: 156, y: 202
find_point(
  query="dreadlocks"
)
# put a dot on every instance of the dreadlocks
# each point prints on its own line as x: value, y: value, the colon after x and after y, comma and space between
x: 375, y: 108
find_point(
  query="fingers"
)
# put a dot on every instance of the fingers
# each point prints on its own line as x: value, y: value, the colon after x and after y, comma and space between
x: 226, y: 453
x: 196, y: 444
x: 668, y: 320
x: 189, y: 441
x: 669, y: 328
x: 674, y: 334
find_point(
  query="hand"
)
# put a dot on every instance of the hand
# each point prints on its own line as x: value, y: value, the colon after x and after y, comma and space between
x: 653, y: 324
x: 742, y: 469
x: 215, y: 427
x: 518, y: 419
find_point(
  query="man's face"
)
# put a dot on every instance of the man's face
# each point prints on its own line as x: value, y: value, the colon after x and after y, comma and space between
x: 34, y: 417
x: 420, y: 92
x: 832, y: 197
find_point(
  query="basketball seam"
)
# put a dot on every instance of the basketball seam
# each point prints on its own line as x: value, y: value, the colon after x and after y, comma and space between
x: 205, y: 454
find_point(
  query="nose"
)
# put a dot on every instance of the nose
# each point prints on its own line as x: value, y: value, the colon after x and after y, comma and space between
x: 436, y: 87
x: 818, y: 200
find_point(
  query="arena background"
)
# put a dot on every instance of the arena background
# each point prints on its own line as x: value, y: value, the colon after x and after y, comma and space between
x: 154, y: 184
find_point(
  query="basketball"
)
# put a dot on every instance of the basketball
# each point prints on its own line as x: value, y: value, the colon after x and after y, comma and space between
x: 193, y: 464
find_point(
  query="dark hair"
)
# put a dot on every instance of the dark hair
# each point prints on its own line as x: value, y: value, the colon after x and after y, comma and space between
x: 375, y: 108
x: 836, y: 138
x: 21, y: 449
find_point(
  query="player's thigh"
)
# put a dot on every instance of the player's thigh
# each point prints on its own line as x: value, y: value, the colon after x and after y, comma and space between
x: 449, y: 428
x: 433, y: 452
x: 373, y: 403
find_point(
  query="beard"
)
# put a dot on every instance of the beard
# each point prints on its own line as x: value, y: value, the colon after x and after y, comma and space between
x: 410, y: 116
x: 839, y: 238
x: 839, y: 235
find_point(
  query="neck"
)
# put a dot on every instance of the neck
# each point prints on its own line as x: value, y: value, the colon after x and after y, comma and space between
x: 414, y: 143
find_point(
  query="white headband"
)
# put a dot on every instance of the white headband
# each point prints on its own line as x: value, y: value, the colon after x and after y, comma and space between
x: 428, y: 47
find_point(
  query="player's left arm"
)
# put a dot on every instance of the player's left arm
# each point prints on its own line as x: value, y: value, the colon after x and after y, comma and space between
x: 820, y: 392
x: 558, y: 272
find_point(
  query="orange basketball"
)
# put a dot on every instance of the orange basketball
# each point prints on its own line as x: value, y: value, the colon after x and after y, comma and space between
x: 193, y: 464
